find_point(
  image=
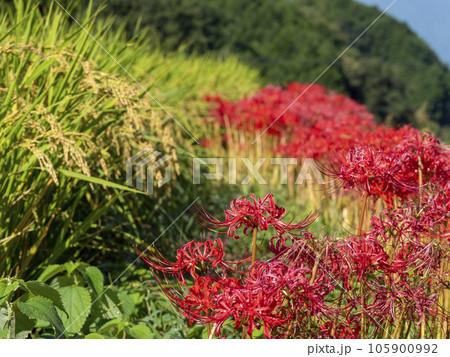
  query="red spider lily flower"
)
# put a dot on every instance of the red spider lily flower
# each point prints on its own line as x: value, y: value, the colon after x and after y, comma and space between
x: 375, y: 172
x: 396, y: 294
x: 192, y: 257
x: 277, y: 244
x: 197, y: 302
x: 253, y: 214
x: 364, y: 254
x: 254, y: 309
x: 412, y: 222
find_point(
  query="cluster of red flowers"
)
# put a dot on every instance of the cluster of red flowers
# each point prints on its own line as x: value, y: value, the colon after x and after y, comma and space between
x: 397, y: 169
x: 380, y: 161
x: 309, y: 288
x: 386, y: 281
x: 319, y: 121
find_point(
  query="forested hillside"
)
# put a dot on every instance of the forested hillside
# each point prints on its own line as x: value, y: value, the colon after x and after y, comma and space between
x: 296, y: 40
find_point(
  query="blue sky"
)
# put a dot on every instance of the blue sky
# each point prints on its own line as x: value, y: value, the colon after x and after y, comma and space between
x: 429, y: 19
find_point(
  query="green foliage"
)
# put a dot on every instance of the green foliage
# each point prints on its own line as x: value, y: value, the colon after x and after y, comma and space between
x: 75, y: 305
x: 40, y: 308
x: 69, y: 119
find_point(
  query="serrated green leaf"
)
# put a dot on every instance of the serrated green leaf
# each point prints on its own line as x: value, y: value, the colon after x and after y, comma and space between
x: 36, y: 288
x: 77, y: 303
x: 94, y: 278
x: 94, y: 336
x: 38, y: 307
x: 140, y: 331
x: 6, y: 289
x: 126, y: 304
x: 50, y: 272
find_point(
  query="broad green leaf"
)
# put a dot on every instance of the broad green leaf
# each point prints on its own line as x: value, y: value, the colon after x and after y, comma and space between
x: 50, y: 272
x: 23, y: 324
x: 98, y: 181
x: 140, y: 331
x: 94, y: 336
x: 110, y: 303
x: 77, y: 303
x: 6, y: 288
x: 94, y: 278
x: 126, y: 304
x: 37, y: 288
x: 40, y: 308
x: 61, y: 281
x: 114, y: 327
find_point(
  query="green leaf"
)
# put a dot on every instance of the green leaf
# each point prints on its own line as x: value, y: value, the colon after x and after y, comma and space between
x: 197, y: 332
x: 77, y: 303
x: 126, y: 304
x: 94, y: 336
x: 71, y: 267
x: 36, y: 288
x: 94, y: 278
x: 140, y: 331
x: 3, y: 333
x: 23, y: 324
x: 61, y: 281
x: 6, y: 288
x: 50, y: 272
x: 258, y: 332
x: 40, y: 308
x: 110, y: 304
x: 114, y: 327
x: 98, y: 181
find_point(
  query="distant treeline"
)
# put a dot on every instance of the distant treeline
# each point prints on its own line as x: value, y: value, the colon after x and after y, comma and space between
x: 389, y: 68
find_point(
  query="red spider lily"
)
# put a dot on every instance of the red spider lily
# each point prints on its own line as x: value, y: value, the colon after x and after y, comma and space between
x: 192, y: 257
x: 253, y: 214
x: 252, y: 308
x: 375, y: 172
x: 321, y: 121
x: 364, y: 254
x: 396, y: 295
x: 197, y: 303
x: 411, y: 222
x: 314, y: 286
